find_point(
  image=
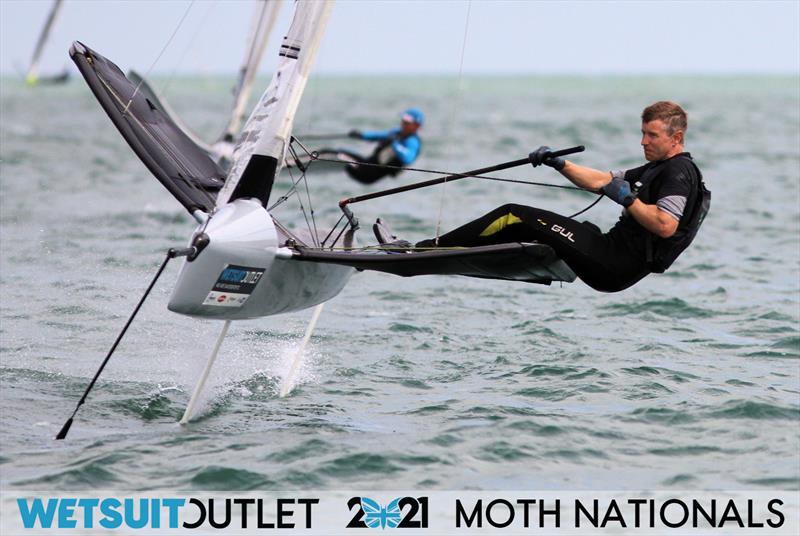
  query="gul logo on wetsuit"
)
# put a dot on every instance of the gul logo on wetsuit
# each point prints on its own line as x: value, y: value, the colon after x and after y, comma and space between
x: 558, y: 229
x: 234, y: 285
x: 563, y: 232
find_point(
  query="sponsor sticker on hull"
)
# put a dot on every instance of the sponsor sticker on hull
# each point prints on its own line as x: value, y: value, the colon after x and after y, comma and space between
x: 234, y: 285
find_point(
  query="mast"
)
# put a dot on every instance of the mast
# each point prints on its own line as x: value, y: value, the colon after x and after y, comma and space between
x: 266, y: 13
x: 33, y: 76
x: 258, y: 157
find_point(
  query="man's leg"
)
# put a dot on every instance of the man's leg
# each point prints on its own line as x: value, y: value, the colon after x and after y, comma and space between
x: 519, y: 223
x: 343, y: 155
x: 583, y: 247
x: 577, y: 244
x: 365, y: 174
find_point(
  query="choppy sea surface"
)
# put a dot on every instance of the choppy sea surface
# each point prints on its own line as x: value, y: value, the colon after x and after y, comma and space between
x: 689, y: 380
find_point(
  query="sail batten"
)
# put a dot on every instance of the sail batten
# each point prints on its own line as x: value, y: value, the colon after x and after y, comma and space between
x: 266, y: 133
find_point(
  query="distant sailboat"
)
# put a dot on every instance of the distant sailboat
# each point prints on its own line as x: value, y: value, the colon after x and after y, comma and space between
x: 32, y: 77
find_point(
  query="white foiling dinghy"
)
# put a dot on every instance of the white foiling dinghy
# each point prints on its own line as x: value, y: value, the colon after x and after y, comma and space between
x: 241, y: 262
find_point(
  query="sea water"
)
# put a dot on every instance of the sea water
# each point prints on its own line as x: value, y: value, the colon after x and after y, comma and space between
x: 689, y: 380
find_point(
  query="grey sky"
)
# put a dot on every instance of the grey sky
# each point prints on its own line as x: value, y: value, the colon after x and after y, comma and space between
x: 384, y: 36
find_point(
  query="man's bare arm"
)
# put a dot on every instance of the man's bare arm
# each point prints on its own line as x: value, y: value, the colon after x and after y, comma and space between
x: 652, y: 218
x: 586, y: 177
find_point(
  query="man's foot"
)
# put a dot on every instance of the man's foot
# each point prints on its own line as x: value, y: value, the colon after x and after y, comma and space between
x: 389, y: 240
x: 427, y: 244
x: 383, y: 234
x: 398, y: 246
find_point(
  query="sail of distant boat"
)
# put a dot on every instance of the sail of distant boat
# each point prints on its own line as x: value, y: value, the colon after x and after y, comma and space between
x: 264, y: 18
x: 221, y: 151
x: 32, y: 77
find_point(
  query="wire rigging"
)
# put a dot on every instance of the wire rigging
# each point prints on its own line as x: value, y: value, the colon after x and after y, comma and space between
x: 308, y: 196
x: 147, y: 73
x: 302, y: 207
x: 314, y: 156
x: 454, y: 111
x: 189, y: 45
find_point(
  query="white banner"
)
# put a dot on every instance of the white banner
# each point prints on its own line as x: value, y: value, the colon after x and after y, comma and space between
x: 420, y: 512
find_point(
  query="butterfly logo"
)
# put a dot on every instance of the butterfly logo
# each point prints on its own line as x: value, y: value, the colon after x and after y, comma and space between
x: 377, y: 516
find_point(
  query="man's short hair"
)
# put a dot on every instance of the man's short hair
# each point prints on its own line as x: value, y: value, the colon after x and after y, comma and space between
x: 670, y: 113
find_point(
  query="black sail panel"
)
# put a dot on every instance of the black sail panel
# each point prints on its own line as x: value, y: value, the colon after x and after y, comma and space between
x: 185, y: 169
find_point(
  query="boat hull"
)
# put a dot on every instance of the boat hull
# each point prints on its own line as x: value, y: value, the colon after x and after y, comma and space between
x: 242, y: 274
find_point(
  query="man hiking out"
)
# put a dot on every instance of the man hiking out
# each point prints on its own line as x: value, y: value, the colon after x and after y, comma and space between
x: 396, y: 148
x: 664, y: 203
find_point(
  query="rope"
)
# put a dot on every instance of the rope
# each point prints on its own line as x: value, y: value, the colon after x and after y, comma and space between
x: 456, y: 107
x: 310, y: 209
x: 303, y: 169
x: 314, y: 157
x: 587, y: 208
x: 302, y: 207
x: 331, y: 231
x: 162, y: 147
x: 440, y: 172
x: 147, y: 73
x: 189, y: 45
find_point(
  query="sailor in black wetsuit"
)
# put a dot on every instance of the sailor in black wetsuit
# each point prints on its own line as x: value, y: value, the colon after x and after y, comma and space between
x: 664, y: 203
x: 396, y: 147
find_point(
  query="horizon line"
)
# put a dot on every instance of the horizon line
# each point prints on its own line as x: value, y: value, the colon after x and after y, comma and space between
x: 404, y: 74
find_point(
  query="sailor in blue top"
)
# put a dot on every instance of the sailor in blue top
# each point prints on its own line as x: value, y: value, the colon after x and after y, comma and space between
x: 396, y: 148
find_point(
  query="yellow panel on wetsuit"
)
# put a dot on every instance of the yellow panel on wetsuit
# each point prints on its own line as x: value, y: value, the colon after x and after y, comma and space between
x: 500, y: 223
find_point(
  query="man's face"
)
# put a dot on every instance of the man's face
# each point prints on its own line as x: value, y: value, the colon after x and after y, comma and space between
x: 408, y: 127
x: 656, y: 141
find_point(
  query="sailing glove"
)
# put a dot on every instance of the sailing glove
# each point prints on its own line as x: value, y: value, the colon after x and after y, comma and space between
x: 355, y: 134
x: 619, y: 191
x: 540, y: 156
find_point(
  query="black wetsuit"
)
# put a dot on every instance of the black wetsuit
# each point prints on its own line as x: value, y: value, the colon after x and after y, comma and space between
x: 383, y: 155
x: 367, y: 174
x: 607, y: 262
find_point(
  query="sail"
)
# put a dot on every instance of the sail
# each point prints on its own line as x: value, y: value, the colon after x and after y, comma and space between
x: 185, y: 169
x: 259, y: 155
x: 266, y: 13
x: 33, y: 70
x: 160, y: 102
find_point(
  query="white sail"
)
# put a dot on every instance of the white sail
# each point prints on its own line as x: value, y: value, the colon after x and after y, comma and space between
x: 266, y: 13
x: 267, y: 131
x: 32, y: 75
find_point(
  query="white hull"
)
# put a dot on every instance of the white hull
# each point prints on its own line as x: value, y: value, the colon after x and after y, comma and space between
x: 243, y: 236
